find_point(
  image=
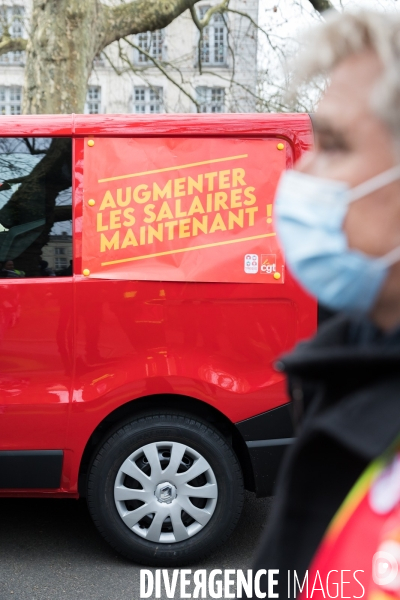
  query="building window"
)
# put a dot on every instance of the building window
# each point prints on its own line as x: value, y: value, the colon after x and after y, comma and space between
x: 213, y: 49
x: 212, y: 99
x: 14, y: 17
x: 10, y: 100
x: 148, y: 100
x: 60, y: 262
x: 59, y: 250
x: 153, y: 43
x: 93, y: 100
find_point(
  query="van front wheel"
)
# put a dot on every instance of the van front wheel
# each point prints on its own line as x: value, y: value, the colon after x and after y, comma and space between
x: 165, y: 490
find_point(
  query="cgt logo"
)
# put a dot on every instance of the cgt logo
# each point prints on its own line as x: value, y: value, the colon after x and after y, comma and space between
x: 268, y: 263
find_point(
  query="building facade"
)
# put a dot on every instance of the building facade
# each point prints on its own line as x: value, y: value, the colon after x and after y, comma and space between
x: 169, y: 70
x: 58, y: 252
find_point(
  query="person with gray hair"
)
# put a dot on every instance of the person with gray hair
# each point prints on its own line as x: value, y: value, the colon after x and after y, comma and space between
x: 338, y: 218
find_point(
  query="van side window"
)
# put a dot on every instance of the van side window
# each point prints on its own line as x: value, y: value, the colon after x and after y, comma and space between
x: 35, y: 207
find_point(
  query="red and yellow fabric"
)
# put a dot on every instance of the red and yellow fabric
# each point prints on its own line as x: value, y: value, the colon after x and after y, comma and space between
x: 361, y: 549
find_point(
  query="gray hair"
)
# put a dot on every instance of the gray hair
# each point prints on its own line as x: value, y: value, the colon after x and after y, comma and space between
x: 346, y: 34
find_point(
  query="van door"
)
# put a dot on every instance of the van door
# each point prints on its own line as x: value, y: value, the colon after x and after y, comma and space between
x: 36, y: 308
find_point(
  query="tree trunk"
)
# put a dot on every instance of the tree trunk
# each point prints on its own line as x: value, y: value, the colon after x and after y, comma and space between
x: 59, y: 55
x: 66, y: 35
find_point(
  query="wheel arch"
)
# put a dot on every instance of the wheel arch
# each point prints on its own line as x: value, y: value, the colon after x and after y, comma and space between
x: 185, y: 405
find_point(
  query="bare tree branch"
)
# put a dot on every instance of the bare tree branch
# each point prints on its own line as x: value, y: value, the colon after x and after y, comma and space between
x: 202, y: 23
x: 253, y: 22
x: 233, y: 56
x: 116, y: 70
x: 138, y: 16
x: 196, y: 19
x: 9, y: 44
x: 155, y: 63
x: 322, y: 5
x: 159, y: 66
x: 257, y: 97
x: 31, y: 147
x: 199, y: 26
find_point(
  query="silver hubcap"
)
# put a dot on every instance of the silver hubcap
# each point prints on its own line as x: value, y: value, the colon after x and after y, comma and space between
x: 165, y: 492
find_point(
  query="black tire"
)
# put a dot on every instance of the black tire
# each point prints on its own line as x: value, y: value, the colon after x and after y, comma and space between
x: 197, y: 435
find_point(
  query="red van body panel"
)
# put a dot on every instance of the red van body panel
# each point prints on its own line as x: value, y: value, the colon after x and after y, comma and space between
x: 74, y: 349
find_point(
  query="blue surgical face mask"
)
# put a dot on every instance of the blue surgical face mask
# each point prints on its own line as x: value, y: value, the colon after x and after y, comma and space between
x: 309, y: 218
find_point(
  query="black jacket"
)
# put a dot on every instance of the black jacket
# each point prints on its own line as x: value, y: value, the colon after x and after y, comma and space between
x: 345, y: 388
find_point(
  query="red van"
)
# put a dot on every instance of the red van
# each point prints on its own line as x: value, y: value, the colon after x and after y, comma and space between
x: 143, y: 302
